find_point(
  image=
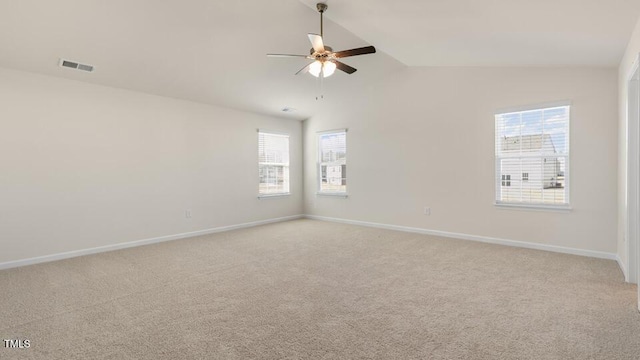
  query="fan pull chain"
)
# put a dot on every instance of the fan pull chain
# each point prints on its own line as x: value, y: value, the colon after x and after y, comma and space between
x: 319, y: 96
x: 321, y: 82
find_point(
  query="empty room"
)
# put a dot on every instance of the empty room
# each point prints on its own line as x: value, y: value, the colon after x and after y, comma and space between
x: 295, y: 179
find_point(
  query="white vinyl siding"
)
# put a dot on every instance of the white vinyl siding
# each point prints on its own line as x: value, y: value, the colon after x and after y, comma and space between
x: 273, y: 163
x: 532, y: 157
x: 332, y: 162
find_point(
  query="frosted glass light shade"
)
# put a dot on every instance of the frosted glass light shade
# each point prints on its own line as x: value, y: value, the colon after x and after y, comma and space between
x: 328, y: 69
x: 315, y: 68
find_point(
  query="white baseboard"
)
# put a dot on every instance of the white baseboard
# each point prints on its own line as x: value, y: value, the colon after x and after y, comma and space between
x: 75, y: 253
x: 484, y: 239
x: 623, y: 268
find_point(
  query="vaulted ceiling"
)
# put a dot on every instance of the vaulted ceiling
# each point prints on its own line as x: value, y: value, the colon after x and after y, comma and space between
x: 214, y: 51
x: 492, y: 32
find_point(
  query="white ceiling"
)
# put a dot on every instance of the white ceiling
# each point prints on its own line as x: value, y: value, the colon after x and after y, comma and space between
x: 213, y: 51
x: 492, y: 32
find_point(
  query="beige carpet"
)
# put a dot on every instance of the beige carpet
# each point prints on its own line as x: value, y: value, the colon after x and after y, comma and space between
x: 318, y: 290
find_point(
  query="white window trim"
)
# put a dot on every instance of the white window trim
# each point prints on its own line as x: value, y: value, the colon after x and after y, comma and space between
x: 537, y: 206
x: 533, y: 206
x: 280, y: 194
x: 333, y: 194
x: 276, y: 195
x: 274, y: 132
x: 319, y: 192
x: 532, y: 107
x: 332, y: 131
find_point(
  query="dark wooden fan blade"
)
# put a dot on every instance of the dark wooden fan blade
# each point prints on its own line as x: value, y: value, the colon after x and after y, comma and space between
x: 304, y: 70
x: 344, y: 67
x: 354, y: 52
x: 287, y: 55
x: 316, y: 42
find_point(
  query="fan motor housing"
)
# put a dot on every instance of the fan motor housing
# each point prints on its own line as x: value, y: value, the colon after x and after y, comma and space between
x: 328, y: 49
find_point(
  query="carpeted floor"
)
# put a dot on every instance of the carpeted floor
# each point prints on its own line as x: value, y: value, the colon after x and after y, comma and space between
x: 317, y: 290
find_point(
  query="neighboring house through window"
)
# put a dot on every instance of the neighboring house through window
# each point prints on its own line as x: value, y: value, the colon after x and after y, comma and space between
x: 332, y: 162
x: 273, y: 163
x: 506, y: 180
x: 532, y: 157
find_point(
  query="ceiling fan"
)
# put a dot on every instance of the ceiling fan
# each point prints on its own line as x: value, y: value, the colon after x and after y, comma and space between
x: 325, y: 61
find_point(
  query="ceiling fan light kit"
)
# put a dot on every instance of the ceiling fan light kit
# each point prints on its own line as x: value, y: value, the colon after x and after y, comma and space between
x: 325, y: 60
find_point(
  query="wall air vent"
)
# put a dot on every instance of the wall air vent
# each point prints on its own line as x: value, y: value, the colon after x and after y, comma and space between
x: 76, y: 65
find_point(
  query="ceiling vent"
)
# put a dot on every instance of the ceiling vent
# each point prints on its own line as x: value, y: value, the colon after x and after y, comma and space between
x: 76, y: 65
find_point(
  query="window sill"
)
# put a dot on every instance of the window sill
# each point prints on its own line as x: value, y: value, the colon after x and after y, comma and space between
x: 534, y: 207
x: 334, y: 194
x: 267, y: 196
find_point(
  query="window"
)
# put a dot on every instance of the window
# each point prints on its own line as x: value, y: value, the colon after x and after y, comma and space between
x: 535, y: 144
x: 273, y: 163
x: 506, y: 180
x: 332, y: 162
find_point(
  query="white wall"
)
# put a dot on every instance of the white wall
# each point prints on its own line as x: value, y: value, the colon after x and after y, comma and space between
x: 84, y: 166
x: 435, y: 128
x: 631, y: 54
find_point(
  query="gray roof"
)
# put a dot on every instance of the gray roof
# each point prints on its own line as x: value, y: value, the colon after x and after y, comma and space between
x: 528, y: 143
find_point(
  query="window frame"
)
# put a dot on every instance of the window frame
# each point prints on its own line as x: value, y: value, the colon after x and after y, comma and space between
x: 319, y: 191
x: 288, y: 164
x: 566, y: 206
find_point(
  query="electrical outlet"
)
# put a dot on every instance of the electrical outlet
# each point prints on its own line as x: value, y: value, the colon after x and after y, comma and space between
x: 427, y: 210
x: 187, y: 214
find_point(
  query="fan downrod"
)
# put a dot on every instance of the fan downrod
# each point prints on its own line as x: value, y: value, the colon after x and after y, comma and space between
x: 322, y: 7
